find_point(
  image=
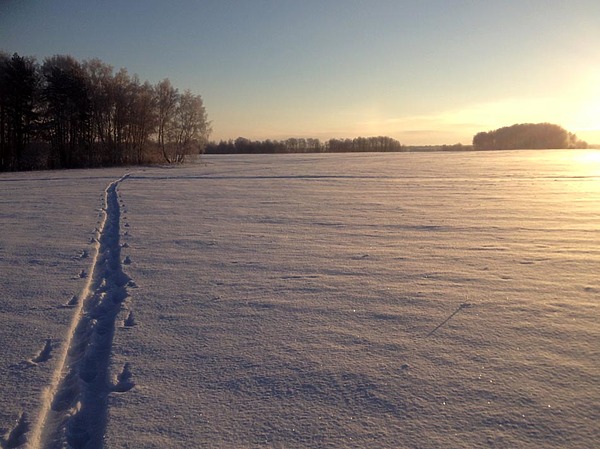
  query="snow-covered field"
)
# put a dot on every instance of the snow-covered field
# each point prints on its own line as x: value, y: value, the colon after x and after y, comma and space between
x: 304, y: 301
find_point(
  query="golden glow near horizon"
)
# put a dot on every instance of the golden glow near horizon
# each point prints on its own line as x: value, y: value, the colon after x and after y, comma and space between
x: 575, y: 106
x: 588, y: 116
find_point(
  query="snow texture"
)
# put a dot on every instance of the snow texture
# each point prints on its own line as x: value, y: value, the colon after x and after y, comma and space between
x: 296, y: 301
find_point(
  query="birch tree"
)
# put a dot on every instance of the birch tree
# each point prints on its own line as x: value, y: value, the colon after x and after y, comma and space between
x: 190, y: 127
x: 167, y: 98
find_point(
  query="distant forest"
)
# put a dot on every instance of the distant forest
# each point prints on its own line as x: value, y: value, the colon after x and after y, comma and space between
x: 301, y: 145
x: 380, y: 144
x: 66, y: 114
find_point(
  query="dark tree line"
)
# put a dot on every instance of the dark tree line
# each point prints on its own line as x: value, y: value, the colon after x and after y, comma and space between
x: 65, y: 113
x: 527, y: 136
x: 242, y: 145
x: 364, y: 144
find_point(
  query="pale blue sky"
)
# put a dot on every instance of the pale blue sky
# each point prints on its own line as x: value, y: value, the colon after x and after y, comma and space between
x: 427, y: 71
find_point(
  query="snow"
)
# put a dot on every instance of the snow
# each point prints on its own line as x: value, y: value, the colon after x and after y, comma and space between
x: 364, y: 300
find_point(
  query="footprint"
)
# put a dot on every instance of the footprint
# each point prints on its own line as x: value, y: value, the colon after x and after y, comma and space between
x: 88, y: 370
x: 82, y: 274
x: 360, y: 257
x: 73, y: 301
x: 77, y: 433
x: 127, y: 260
x: 82, y: 255
x: 130, y: 320
x: 45, y: 353
x: 16, y: 437
x: 124, y: 382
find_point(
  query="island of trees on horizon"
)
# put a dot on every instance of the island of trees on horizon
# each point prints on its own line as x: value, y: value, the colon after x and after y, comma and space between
x: 67, y: 114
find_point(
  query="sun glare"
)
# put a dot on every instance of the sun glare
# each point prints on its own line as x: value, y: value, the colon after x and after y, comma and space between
x: 588, y: 117
x: 591, y: 157
x: 588, y: 162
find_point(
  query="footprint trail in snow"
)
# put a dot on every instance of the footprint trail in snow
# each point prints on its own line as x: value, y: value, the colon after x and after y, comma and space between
x: 74, y: 409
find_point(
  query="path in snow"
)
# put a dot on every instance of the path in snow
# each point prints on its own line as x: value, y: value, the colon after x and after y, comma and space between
x: 75, y: 405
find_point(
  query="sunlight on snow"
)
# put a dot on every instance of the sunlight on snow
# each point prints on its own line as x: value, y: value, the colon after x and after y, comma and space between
x: 586, y: 163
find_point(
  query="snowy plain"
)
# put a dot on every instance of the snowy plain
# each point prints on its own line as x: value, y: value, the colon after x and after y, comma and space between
x: 408, y: 300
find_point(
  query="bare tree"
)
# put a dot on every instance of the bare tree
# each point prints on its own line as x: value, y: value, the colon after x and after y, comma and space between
x: 189, y: 128
x: 19, y: 89
x: 68, y: 111
x: 167, y: 98
x: 143, y: 118
x: 100, y: 78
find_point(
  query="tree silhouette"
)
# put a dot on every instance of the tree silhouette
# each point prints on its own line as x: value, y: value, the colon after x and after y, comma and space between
x: 527, y: 136
x: 71, y: 114
x: 189, y: 127
x: 19, y: 91
x: 68, y: 111
x: 167, y: 97
x: 302, y: 145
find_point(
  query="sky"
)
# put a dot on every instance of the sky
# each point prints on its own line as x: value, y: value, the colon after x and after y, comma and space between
x: 423, y: 71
